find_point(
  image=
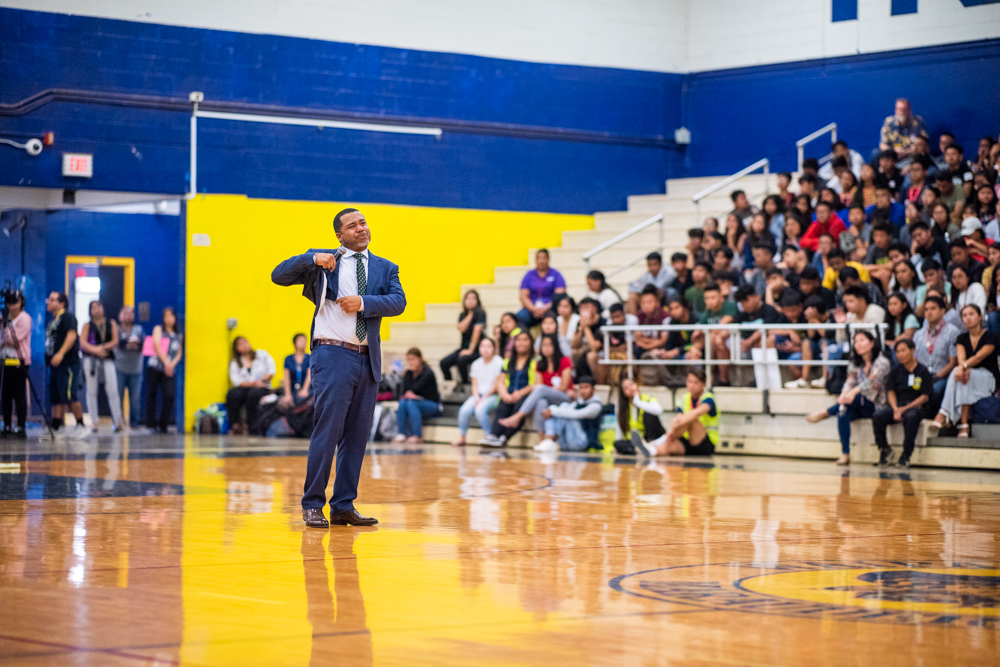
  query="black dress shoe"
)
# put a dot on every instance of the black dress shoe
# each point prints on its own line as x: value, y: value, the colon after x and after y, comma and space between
x: 351, y: 518
x: 314, y: 518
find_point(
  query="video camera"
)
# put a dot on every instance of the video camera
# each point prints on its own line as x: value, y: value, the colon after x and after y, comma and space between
x: 8, y: 295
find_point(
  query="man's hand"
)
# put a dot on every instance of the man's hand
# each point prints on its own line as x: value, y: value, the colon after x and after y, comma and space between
x: 509, y: 398
x: 746, y: 345
x: 464, y: 353
x: 57, y: 359
x: 349, y: 304
x: 897, y: 414
x: 547, y: 413
x: 409, y: 395
x: 325, y: 259
x: 693, y: 353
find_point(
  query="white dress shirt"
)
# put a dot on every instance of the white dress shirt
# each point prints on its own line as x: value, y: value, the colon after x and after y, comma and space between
x: 331, y: 320
x: 262, y: 367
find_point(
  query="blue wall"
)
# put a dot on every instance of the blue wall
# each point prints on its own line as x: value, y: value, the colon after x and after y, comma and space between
x: 487, y: 167
x: 738, y: 116
x: 154, y: 241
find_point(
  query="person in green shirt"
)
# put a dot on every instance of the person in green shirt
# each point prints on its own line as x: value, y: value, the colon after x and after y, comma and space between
x: 695, y: 295
x: 718, y: 310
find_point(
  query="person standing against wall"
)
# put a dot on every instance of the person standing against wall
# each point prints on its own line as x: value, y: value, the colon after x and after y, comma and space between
x: 346, y: 360
x: 98, y: 341
x: 62, y: 354
x: 161, y: 371
x: 128, y: 363
x: 15, y: 355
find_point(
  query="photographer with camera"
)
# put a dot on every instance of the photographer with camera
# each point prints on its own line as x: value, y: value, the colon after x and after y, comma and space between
x: 15, y: 354
x: 98, y: 340
x: 62, y: 354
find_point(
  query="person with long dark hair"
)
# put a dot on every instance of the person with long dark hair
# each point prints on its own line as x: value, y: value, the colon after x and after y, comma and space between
x: 420, y: 399
x: 965, y: 291
x: 598, y: 288
x: 975, y: 377
x: 250, y: 372
x: 901, y: 321
x: 553, y: 385
x: 907, y: 282
x: 517, y: 381
x: 161, y: 371
x: 15, y: 354
x: 484, y: 398
x: 509, y: 328
x: 98, y: 342
x: 774, y: 207
x: 638, y: 417
x: 864, y: 391
x: 471, y: 324
x: 993, y: 300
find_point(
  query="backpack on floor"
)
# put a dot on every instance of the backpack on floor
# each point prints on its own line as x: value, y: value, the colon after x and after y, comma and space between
x: 300, y: 418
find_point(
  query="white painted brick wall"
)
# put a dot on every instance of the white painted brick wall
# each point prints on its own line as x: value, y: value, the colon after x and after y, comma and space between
x: 655, y: 35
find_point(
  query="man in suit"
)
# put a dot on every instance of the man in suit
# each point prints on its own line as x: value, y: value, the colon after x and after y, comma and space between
x: 346, y: 360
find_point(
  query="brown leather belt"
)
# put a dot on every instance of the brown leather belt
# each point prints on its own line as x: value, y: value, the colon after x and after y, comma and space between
x: 360, y: 349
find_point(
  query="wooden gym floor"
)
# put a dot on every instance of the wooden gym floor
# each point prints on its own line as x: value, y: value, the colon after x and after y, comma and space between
x: 166, y: 550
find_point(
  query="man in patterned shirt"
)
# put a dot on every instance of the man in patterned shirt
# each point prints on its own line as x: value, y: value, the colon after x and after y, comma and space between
x: 900, y: 129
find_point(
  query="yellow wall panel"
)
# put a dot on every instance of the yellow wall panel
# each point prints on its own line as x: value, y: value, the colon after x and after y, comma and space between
x: 436, y: 249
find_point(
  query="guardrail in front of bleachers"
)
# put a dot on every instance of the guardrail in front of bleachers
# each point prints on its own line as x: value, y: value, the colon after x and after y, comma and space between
x: 800, y: 145
x: 735, y: 357
x: 729, y: 180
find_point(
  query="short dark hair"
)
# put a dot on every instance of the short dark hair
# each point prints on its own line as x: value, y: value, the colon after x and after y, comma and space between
x: 887, y: 153
x: 63, y: 299
x: 810, y: 163
x: 809, y: 273
x: 858, y: 292
x: 734, y: 194
x: 840, y: 142
x: 725, y: 250
x: 698, y: 374
x: 848, y: 273
x: 824, y: 203
x: 654, y: 257
x: 957, y: 147
x: 817, y: 302
x: 840, y: 162
x: 945, y: 175
x: 705, y: 265
x: 763, y: 245
x: 791, y: 298
x: 296, y: 337
x: 807, y: 178
x: 773, y: 271
x: 585, y: 379
x: 946, y: 133
x: 904, y: 341
x: 786, y: 174
x: 616, y: 308
x: 717, y: 236
x: 696, y: 233
x: 338, y: 219
x: 591, y: 301
x: 676, y: 298
x: 899, y: 247
x: 958, y: 243
x: 919, y: 224
x: 881, y: 227
x: 930, y: 265
x: 936, y: 300
x: 711, y: 287
x: 678, y: 257
x: 650, y: 289
x: 744, y: 292
x: 541, y: 250
x: 835, y: 253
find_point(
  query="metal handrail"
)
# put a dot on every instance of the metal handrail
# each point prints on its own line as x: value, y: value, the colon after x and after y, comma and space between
x: 801, y: 143
x: 696, y: 199
x: 658, y: 218
x: 733, y: 329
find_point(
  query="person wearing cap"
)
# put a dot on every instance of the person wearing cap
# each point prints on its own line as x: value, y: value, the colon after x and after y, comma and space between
x: 960, y: 257
x: 573, y: 426
x: 899, y: 129
x: 975, y: 239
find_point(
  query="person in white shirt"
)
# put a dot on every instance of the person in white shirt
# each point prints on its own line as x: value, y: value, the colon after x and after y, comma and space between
x: 858, y: 309
x: 250, y: 373
x: 966, y: 292
x: 598, y: 288
x: 853, y: 158
x: 483, y: 374
x: 573, y: 426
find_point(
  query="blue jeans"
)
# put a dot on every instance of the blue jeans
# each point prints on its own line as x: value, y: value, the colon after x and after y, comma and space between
x: 939, y: 386
x: 861, y: 408
x: 993, y: 322
x: 572, y: 437
x: 411, y: 413
x: 482, y: 412
x: 525, y: 317
x: 132, y: 382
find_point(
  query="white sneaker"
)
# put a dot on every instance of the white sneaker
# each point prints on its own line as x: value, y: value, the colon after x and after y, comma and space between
x: 57, y: 434
x: 818, y: 383
x: 797, y: 384
x: 489, y: 440
x: 79, y: 432
x: 547, y: 445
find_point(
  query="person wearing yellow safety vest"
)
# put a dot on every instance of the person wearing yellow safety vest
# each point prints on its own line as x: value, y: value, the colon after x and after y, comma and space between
x: 513, y: 387
x: 694, y: 431
x: 638, y: 416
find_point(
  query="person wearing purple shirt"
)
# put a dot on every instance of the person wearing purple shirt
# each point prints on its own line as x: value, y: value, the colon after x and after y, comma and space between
x: 538, y: 290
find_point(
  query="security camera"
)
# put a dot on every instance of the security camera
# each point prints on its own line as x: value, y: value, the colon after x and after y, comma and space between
x: 33, y: 146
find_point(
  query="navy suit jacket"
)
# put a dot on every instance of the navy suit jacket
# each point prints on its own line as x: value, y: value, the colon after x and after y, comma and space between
x: 383, y: 298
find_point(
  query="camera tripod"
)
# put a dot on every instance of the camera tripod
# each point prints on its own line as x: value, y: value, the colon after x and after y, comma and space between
x: 5, y: 324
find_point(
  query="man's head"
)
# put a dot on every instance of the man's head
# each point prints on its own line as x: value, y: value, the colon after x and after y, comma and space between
x: 917, y: 172
x: 946, y: 139
x: 921, y: 233
x: 809, y: 280
x: 902, y: 110
x: 823, y: 212
x: 919, y: 145
x: 542, y: 260
x: 748, y: 299
x: 725, y: 280
x: 126, y: 316
x: 713, y: 298
x: 959, y: 251
x: 972, y: 228
x: 352, y: 230
x: 695, y: 236
x: 825, y: 245
x: 16, y: 304
x: 904, y: 351
x: 585, y: 387
x: 932, y: 271
x: 589, y: 308
x: 739, y: 199
x: 679, y: 263
x: 849, y: 277
x: 701, y: 272
x: 953, y: 156
x: 945, y: 183
x: 840, y: 165
x: 762, y: 255
x: 898, y: 252
x: 934, y: 309
x: 784, y: 180
x: 617, y: 313
x: 856, y: 300
x: 791, y: 305
x: 856, y: 216
x: 815, y: 308
x: 807, y: 185
x: 695, y: 381
x: 839, y: 149
x: 882, y: 236
x: 883, y: 197
x: 836, y: 259
x: 649, y: 300
x: 57, y: 301
x: 886, y: 161
x: 654, y: 262
x: 713, y: 241
x: 679, y: 310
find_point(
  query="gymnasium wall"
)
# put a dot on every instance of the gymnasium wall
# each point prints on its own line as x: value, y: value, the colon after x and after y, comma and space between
x: 437, y: 250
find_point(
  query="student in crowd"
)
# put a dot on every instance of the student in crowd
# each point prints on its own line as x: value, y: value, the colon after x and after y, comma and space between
x: 774, y: 210
x: 509, y: 328
x: 98, y: 342
x: 810, y: 284
x: 538, y: 289
x: 808, y: 191
x: 741, y: 205
x: 933, y: 281
x: 573, y: 426
x: 161, y: 371
x: 849, y: 186
x: 250, y: 373
x: 902, y: 323
x: 566, y: 319
x: 471, y: 324
x: 683, y: 280
x: 15, y: 354
x: 513, y: 387
x: 865, y: 195
x: 885, y: 208
x: 550, y: 327
x: 960, y: 256
x: 710, y: 224
x: 826, y: 223
x: 909, y: 391
x: 588, y: 340
x: 599, y: 289
x: 961, y: 172
x: 617, y: 347
x: 821, y: 257
x: 764, y: 261
x: 62, y: 354
x: 916, y: 178
x: 816, y: 344
x: 858, y: 308
x: 952, y: 198
x: 976, y: 375
x: 964, y: 291
x: 926, y: 245
x: 483, y: 399
x: 694, y: 431
x: 906, y: 281
x: 993, y: 300
x: 850, y: 277
x: 553, y: 386
x: 753, y: 311
x: 297, y: 375
x: 656, y: 275
x: 696, y: 246
x: 792, y: 230
x: 695, y: 295
x: 650, y: 314
x: 785, y: 182
x: 863, y: 393
x: 735, y: 231
x: 420, y: 399
x: 638, y: 414
x: 975, y: 239
x: 128, y: 363
x: 718, y: 310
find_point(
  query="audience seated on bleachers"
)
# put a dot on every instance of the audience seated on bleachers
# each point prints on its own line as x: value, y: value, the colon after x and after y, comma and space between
x: 935, y: 346
x: 297, y: 385
x: 250, y: 373
x: 909, y: 391
x: 573, y: 426
x: 483, y: 398
x: 538, y: 290
x: 513, y: 387
x: 472, y: 326
x: 553, y: 385
x: 599, y: 289
x: 420, y: 399
x: 656, y: 275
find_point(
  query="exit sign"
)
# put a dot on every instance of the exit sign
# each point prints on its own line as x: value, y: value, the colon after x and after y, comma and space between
x: 78, y: 164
